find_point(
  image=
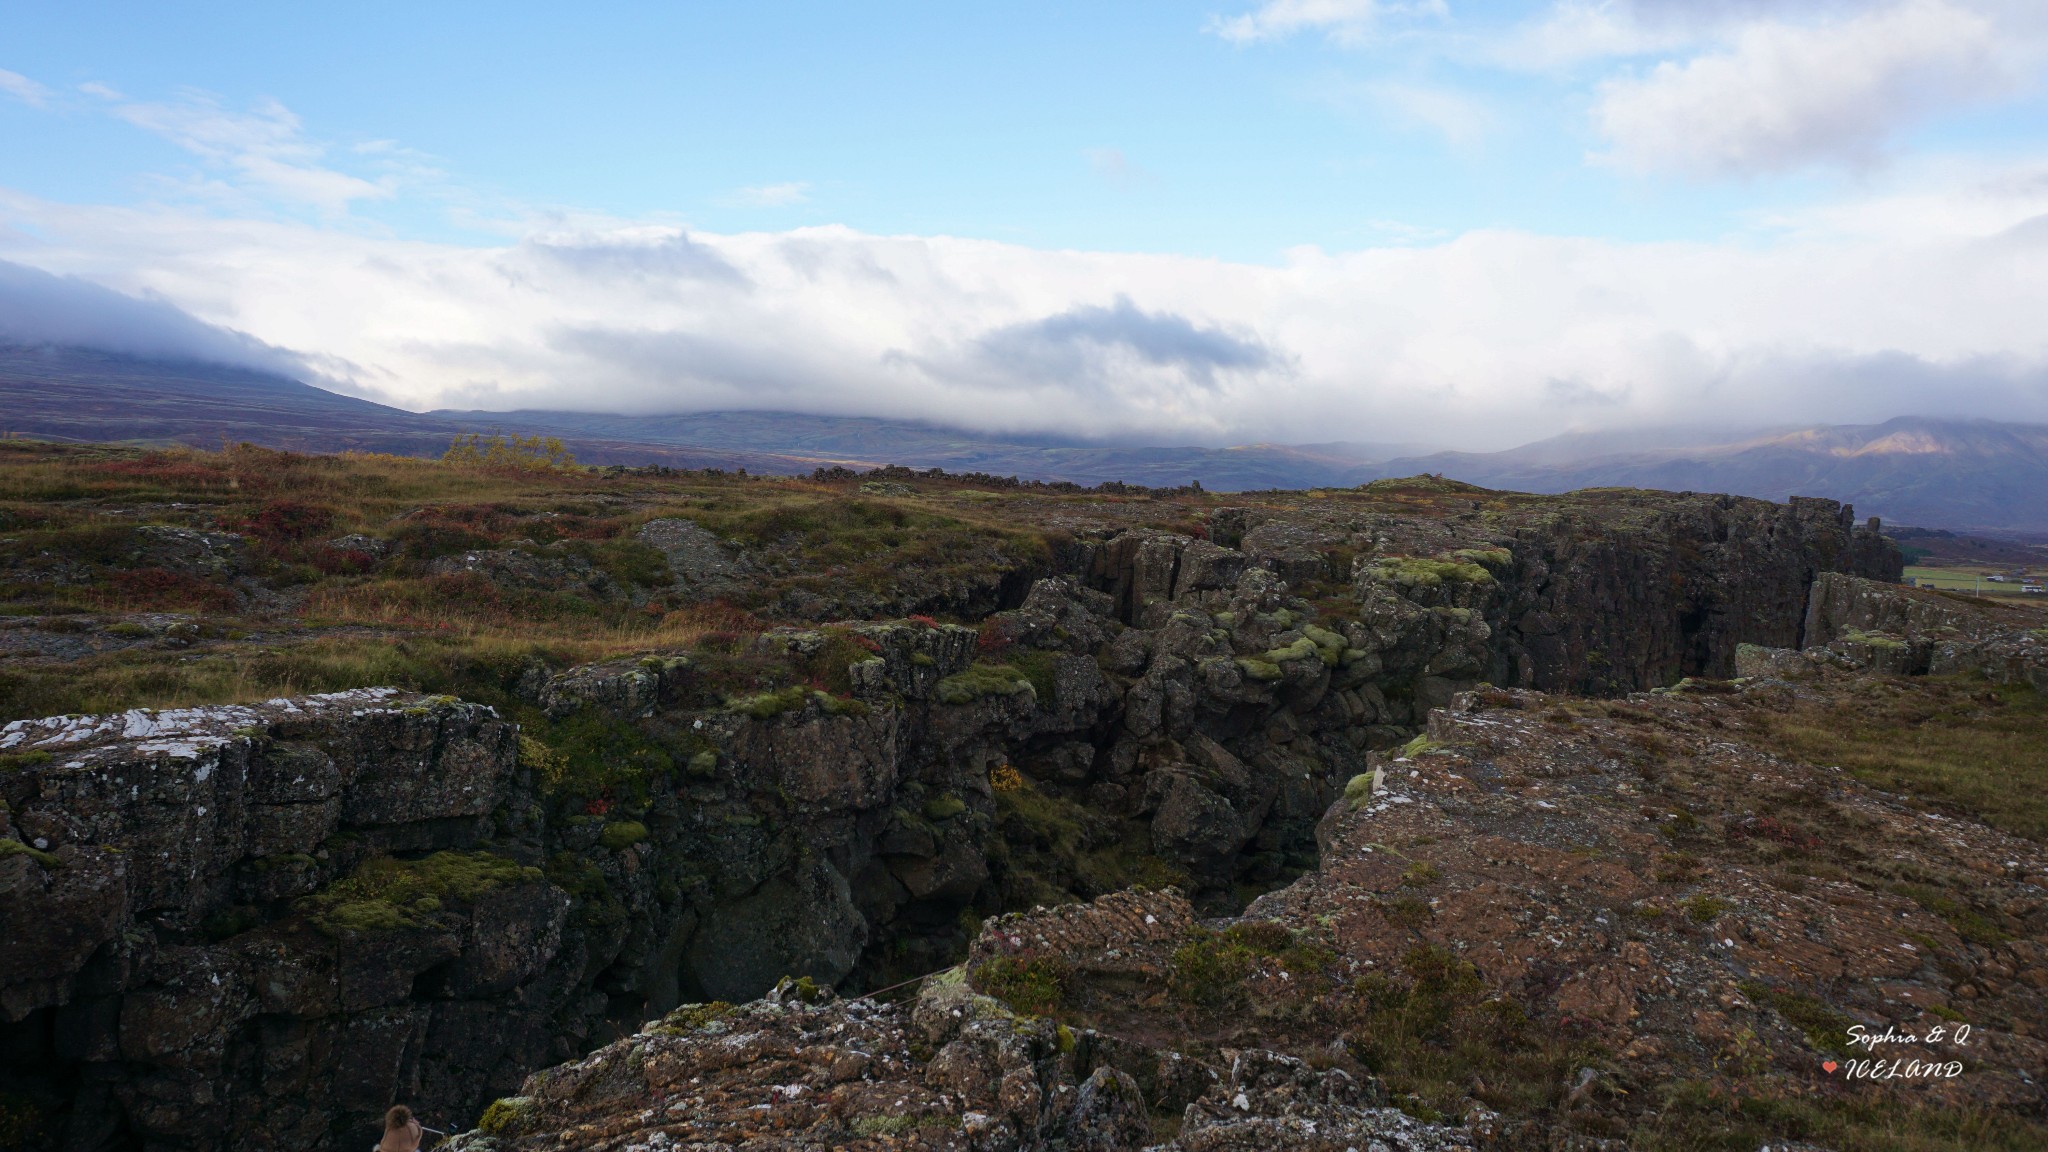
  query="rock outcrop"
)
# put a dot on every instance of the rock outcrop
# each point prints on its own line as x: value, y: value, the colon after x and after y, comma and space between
x: 1543, y: 888
x: 955, y: 1070
x: 292, y: 913
x: 1865, y: 625
x: 212, y: 938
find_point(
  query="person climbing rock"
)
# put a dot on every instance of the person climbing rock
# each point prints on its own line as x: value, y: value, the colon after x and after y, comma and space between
x: 402, y: 1131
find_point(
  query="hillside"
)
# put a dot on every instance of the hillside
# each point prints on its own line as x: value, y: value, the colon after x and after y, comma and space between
x: 1974, y: 475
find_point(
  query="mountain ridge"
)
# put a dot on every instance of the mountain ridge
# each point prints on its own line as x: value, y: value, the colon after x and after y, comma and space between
x: 1962, y: 475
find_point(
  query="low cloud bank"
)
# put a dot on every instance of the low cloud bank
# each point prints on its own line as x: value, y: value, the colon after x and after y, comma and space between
x: 1488, y: 340
x: 37, y: 309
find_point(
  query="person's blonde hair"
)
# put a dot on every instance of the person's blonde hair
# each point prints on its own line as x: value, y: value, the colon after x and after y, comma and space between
x: 397, y: 1118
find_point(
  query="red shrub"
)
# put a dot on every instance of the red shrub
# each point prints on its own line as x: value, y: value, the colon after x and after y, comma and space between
x: 159, y: 588
x: 994, y: 638
x: 281, y: 520
x: 342, y: 561
x: 924, y: 620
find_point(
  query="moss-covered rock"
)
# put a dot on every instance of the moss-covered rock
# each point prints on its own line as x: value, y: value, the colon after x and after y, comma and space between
x: 1417, y: 572
x: 622, y: 834
x: 509, y: 1116
x: 17, y: 848
x: 388, y: 895
x: 981, y: 680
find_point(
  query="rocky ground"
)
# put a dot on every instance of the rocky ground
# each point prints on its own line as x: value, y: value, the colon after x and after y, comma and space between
x: 581, y: 749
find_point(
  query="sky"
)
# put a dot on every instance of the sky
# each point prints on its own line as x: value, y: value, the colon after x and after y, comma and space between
x: 1447, y: 221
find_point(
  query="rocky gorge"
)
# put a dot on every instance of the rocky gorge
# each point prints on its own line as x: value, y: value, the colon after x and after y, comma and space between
x: 254, y: 925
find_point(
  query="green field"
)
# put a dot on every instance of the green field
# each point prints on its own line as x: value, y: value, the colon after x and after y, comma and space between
x: 1974, y: 578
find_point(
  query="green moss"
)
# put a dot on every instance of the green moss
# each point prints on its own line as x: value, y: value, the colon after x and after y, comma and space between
x: 15, y: 761
x: 17, y: 848
x: 621, y: 834
x: 1414, y: 572
x: 1968, y: 922
x: 704, y: 763
x: 1259, y: 669
x: 1036, y: 985
x: 691, y: 1017
x: 940, y: 808
x: 1824, y: 1028
x: 1358, y: 791
x: 767, y: 705
x: 1489, y: 558
x: 387, y: 895
x: 508, y: 1117
x: 839, y: 705
x: 1299, y: 650
x: 1329, y: 645
x: 1703, y: 909
x: 1879, y: 642
x: 1418, y: 746
x: 981, y: 680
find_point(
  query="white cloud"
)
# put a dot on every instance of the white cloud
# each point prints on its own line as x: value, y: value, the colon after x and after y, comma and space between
x: 1487, y: 339
x: 771, y: 195
x: 22, y: 88
x: 264, y: 150
x: 1780, y: 95
x: 1345, y: 21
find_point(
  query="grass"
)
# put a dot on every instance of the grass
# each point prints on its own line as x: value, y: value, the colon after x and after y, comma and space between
x: 1970, y: 579
x: 1825, y: 1028
x: 1954, y: 741
x: 1695, y: 1116
x: 1034, y: 985
x: 1211, y: 968
x: 1433, y: 1035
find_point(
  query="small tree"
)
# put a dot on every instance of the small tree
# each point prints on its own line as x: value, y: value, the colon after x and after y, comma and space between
x: 501, y: 453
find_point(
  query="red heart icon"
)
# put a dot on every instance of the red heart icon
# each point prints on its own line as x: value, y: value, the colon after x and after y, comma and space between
x: 1828, y: 1064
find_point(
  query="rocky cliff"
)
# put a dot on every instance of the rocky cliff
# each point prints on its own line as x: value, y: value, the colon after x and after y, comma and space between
x: 1551, y: 924
x: 257, y: 925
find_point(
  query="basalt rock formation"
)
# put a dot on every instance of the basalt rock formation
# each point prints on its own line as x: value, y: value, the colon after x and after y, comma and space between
x: 1551, y: 924
x: 254, y: 926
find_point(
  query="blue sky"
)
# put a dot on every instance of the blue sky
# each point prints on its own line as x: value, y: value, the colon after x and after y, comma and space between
x: 1340, y: 186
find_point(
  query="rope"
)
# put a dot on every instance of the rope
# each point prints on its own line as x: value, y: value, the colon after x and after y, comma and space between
x: 904, y: 984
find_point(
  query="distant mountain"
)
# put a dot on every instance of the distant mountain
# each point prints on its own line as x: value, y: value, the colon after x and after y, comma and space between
x: 79, y: 394
x: 1975, y: 475
x: 866, y: 442
x: 1962, y: 475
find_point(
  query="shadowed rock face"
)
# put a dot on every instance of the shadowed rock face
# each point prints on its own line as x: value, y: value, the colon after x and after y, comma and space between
x: 159, y: 948
x: 262, y: 924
